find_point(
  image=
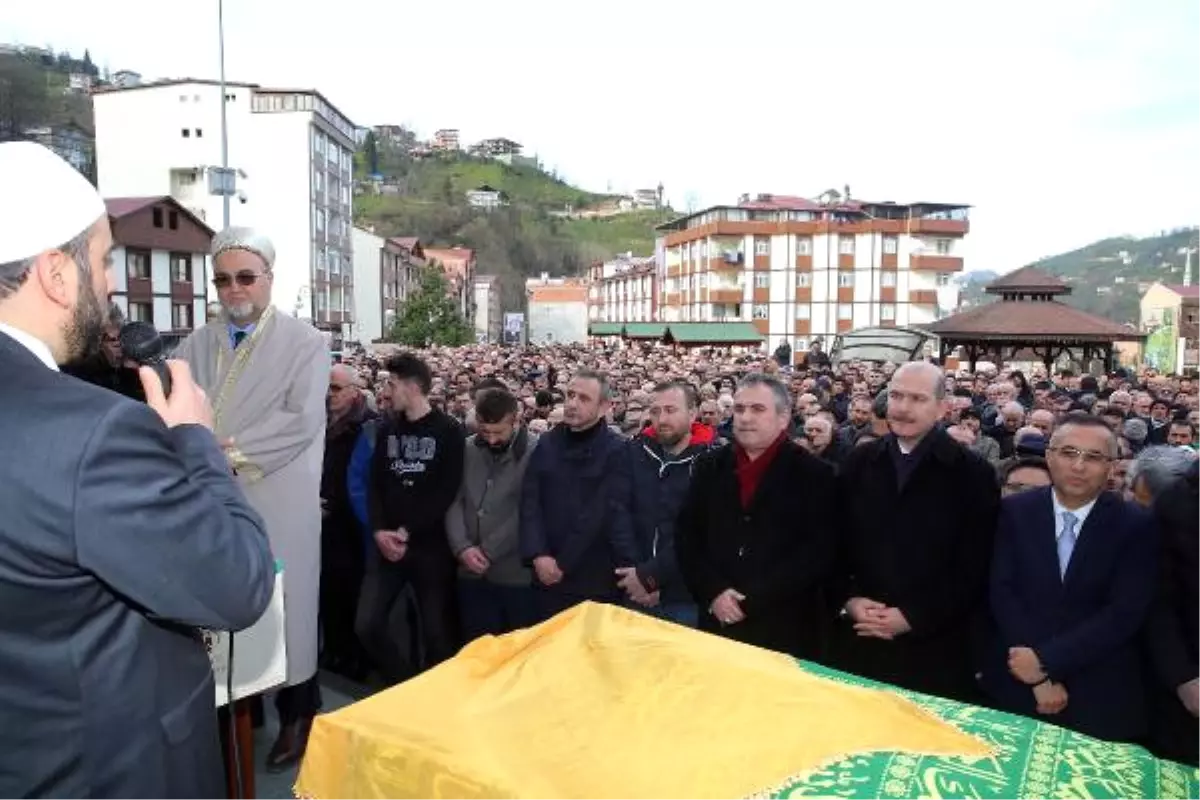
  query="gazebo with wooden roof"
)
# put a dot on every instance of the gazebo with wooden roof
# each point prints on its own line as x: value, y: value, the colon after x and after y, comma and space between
x: 1029, y: 319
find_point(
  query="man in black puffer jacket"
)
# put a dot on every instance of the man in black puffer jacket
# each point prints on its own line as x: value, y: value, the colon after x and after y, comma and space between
x: 659, y: 473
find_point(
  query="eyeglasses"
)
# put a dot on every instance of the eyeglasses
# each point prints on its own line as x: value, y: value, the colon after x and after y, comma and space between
x: 1075, y: 455
x: 245, y: 278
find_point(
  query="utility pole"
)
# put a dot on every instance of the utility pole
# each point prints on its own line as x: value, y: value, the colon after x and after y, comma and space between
x: 229, y: 189
x: 222, y: 181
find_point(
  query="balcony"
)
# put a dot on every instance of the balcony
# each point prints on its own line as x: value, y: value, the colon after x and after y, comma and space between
x: 671, y: 298
x: 729, y: 260
x: 923, y: 297
x: 725, y: 295
x: 673, y: 270
x: 942, y: 226
x: 935, y: 263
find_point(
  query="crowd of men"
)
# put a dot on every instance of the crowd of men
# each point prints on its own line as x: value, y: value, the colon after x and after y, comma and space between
x: 850, y: 515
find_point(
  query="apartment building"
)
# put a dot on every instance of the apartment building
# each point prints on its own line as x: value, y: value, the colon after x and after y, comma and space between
x: 623, y: 289
x: 293, y: 153
x: 160, y: 263
x: 386, y: 272
x: 458, y: 264
x: 487, y: 308
x: 804, y: 271
x: 558, y: 310
x: 446, y: 140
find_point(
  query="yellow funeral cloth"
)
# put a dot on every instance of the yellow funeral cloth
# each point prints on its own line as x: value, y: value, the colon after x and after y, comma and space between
x: 604, y: 702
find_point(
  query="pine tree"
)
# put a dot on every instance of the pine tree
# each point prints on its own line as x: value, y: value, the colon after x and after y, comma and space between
x: 430, y: 316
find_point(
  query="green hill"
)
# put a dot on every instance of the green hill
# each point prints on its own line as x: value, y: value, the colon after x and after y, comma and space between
x: 530, y: 235
x: 1110, y: 276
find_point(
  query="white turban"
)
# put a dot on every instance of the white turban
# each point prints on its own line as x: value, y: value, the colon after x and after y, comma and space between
x: 246, y: 239
x: 45, y: 203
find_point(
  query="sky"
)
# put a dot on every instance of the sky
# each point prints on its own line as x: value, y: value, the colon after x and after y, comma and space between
x: 1059, y: 122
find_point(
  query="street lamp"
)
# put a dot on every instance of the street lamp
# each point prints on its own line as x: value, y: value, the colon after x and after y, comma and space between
x: 222, y: 181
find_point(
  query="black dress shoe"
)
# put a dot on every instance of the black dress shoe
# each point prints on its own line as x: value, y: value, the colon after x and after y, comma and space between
x: 289, y: 745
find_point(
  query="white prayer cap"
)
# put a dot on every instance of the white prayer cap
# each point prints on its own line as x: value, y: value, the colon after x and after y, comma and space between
x: 244, y: 239
x: 44, y: 201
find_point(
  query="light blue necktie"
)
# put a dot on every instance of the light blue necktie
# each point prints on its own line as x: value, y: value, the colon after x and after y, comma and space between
x: 1066, y: 542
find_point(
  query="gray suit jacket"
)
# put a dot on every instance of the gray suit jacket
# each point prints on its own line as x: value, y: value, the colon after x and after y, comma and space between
x: 118, y: 537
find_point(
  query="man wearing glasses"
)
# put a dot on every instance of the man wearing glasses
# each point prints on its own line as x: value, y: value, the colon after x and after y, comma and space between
x: 1072, y: 579
x: 266, y: 374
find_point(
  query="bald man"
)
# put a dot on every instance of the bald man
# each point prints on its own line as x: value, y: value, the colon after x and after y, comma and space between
x: 918, y: 513
x: 342, y: 556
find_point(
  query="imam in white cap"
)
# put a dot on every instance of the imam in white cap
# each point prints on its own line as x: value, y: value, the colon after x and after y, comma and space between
x: 247, y: 239
x: 45, y: 202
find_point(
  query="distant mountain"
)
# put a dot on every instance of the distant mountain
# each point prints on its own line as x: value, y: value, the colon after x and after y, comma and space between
x: 1110, y: 276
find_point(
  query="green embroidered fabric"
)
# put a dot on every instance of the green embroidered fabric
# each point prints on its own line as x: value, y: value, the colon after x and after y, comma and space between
x: 1033, y: 759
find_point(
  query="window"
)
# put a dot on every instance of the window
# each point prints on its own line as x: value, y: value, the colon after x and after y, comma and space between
x: 156, y: 217
x: 173, y: 220
x: 804, y: 245
x: 943, y: 246
x: 199, y: 133
x: 803, y: 311
x: 761, y: 311
x: 181, y: 316
x: 890, y: 245
x: 846, y: 245
x: 845, y: 280
x: 762, y: 280
x: 943, y: 279
x: 845, y: 311
x: 703, y: 281
x: 186, y: 133
x: 887, y: 312
x: 137, y: 264
x: 762, y: 247
x: 887, y: 279
x: 141, y: 312
x: 803, y: 280
x: 181, y: 268
x: 320, y: 219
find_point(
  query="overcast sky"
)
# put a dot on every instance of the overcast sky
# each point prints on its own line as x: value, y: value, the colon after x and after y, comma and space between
x: 1061, y: 122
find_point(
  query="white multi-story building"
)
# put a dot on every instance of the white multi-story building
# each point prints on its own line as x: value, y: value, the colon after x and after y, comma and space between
x: 487, y: 308
x: 386, y: 271
x: 623, y: 289
x: 805, y: 271
x: 293, y: 152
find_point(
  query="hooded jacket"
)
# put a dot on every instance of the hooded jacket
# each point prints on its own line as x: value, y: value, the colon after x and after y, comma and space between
x: 658, y: 485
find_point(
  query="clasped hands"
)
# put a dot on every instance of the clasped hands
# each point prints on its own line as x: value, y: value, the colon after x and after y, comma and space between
x: 1024, y: 665
x: 874, y: 619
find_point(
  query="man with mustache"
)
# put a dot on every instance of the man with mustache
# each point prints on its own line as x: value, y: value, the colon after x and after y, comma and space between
x: 917, y: 513
x: 267, y: 374
x: 122, y: 533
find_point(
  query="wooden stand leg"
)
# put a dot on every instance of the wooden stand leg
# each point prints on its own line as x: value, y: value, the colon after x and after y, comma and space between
x: 244, y: 730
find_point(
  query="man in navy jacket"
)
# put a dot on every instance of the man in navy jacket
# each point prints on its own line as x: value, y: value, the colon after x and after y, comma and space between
x: 1072, y: 579
x: 575, y: 529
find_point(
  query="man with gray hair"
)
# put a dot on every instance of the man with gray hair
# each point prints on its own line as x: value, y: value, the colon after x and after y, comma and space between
x: 917, y: 513
x: 755, y: 537
x: 1156, y: 469
x: 267, y: 376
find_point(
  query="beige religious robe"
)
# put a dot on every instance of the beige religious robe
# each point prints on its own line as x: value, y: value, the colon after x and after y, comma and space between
x: 269, y: 397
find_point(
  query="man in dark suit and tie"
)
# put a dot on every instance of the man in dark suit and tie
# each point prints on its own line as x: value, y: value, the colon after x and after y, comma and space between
x: 122, y: 533
x: 1072, y: 579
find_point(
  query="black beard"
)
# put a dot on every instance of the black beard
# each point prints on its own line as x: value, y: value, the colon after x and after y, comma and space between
x: 84, y: 334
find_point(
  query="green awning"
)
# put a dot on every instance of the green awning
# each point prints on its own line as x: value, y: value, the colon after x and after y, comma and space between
x: 605, y: 329
x: 714, y: 333
x: 645, y: 330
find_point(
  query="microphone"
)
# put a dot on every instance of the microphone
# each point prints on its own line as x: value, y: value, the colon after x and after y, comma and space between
x: 142, y: 344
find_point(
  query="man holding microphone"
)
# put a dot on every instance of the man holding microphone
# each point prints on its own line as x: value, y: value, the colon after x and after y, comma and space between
x: 122, y: 529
